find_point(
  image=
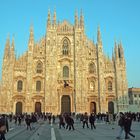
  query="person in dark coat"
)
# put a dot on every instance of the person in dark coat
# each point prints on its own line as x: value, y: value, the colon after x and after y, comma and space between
x: 121, y: 124
x: 127, y: 126
x: 28, y: 121
x: 92, y: 120
x: 70, y: 122
x: 85, y: 120
x: 3, y: 124
x: 61, y: 121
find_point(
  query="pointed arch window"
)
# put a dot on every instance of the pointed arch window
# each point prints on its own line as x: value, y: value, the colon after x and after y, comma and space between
x: 109, y: 86
x: 19, y: 86
x: 39, y: 68
x: 65, y: 50
x: 38, y: 86
x: 65, y: 71
x: 92, y: 68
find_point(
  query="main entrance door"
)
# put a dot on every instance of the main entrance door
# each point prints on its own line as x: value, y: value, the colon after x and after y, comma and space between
x: 111, y: 107
x: 18, y: 107
x: 93, y: 107
x: 38, y: 107
x: 65, y: 104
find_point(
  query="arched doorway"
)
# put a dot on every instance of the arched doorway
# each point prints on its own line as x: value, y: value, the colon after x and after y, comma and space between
x: 18, y: 107
x: 111, y: 107
x: 38, y: 107
x: 65, y: 104
x: 93, y: 107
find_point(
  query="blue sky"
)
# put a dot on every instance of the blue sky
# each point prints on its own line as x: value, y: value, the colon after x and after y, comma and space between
x: 118, y: 19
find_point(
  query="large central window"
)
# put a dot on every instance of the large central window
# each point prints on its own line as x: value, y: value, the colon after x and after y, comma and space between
x: 39, y: 68
x: 38, y: 86
x: 65, y: 71
x: 109, y: 86
x: 19, y: 86
x: 65, y: 47
x: 92, y: 68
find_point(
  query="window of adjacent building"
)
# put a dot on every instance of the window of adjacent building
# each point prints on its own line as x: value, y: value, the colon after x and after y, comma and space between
x: 136, y: 102
x: 39, y: 68
x: 38, y: 85
x: 109, y: 86
x: 65, y: 71
x: 135, y: 95
x: 92, y: 68
x: 92, y: 86
x: 65, y: 47
x: 19, y: 85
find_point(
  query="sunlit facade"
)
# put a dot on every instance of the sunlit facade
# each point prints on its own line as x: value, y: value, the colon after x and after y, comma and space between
x: 63, y: 72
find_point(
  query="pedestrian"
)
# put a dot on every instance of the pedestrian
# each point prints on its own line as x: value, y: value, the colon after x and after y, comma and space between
x: 3, y: 126
x: 53, y: 118
x: 28, y: 121
x: 85, y: 120
x: 19, y: 120
x: 121, y: 124
x: 92, y: 120
x: 61, y: 121
x: 70, y: 122
x: 127, y: 126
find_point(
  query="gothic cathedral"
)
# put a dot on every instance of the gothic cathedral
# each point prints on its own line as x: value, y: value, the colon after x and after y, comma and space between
x: 63, y: 72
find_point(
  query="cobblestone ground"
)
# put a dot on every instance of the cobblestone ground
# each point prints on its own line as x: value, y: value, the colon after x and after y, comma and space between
x: 45, y: 131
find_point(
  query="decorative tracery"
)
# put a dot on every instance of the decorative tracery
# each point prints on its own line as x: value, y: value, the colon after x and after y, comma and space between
x: 65, y: 47
x: 65, y: 71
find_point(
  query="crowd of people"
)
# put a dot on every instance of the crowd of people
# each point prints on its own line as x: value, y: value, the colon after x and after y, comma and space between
x: 66, y: 121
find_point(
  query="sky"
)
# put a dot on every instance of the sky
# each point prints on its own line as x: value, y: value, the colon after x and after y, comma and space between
x: 118, y: 20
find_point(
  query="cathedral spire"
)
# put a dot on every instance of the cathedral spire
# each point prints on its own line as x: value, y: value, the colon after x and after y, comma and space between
x: 81, y: 20
x: 54, y: 18
x: 13, y: 43
x: 31, y: 38
x: 113, y: 56
x: 49, y: 19
x: 13, y: 48
x: 116, y: 51
x: 76, y: 19
x: 99, y: 39
x: 7, y: 47
x: 121, y: 50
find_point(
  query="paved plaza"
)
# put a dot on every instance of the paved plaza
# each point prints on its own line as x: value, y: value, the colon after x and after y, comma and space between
x: 45, y: 131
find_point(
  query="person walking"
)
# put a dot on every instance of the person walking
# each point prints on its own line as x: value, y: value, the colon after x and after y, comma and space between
x: 28, y: 121
x: 121, y: 124
x: 85, y: 120
x: 127, y: 126
x: 70, y: 122
x: 92, y: 120
x: 3, y: 126
x: 61, y: 121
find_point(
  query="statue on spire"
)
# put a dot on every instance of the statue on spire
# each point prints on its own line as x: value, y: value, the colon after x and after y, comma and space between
x: 99, y: 40
x: 7, y: 47
x: 81, y: 20
x: 76, y: 19
x: 49, y: 19
x: 54, y: 18
x: 31, y: 38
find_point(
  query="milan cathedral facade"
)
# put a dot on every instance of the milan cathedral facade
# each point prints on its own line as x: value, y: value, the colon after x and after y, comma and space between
x: 63, y: 72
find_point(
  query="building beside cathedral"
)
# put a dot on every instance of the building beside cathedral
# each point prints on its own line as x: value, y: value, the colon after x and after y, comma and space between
x: 63, y: 72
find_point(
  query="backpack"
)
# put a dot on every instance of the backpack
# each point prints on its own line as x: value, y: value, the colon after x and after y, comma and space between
x: 120, y: 122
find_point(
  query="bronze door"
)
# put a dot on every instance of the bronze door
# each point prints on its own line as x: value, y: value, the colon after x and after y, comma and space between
x: 65, y: 104
x: 93, y: 107
x: 38, y: 107
x: 111, y: 107
x: 18, y: 107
